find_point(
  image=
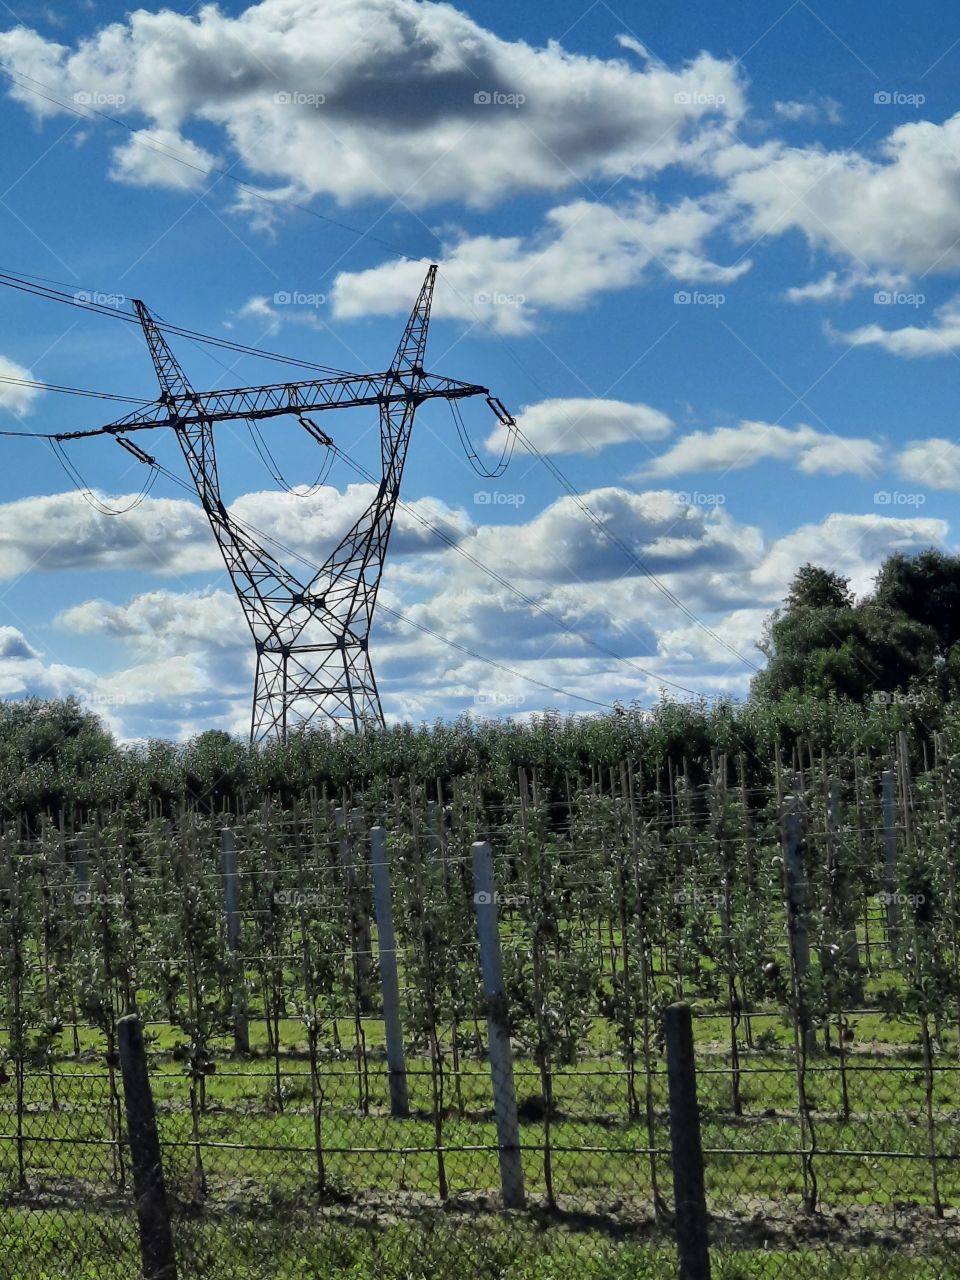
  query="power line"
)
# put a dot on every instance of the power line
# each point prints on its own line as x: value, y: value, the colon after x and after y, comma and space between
x: 23, y: 284
x: 35, y: 385
x: 530, y: 601
x: 585, y: 508
x: 630, y: 553
x: 140, y: 138
x: 419, y: 626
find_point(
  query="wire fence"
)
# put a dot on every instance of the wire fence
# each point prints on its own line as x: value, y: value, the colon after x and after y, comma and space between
x: 378, y: 1046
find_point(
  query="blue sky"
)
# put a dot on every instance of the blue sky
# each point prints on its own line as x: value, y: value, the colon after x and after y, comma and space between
x: 708, y: 253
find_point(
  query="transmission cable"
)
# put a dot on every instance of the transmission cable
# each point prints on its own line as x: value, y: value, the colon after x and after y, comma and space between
x: 89, y: 495
x: 270, y: 462
x: 530, y: 601
x: 477, y: 465
x: 419, y: 626
x: 164, y: 149
x: 21, y: 284
x: 583, y: 505
x: 629, y: 552
x: 35, y: 385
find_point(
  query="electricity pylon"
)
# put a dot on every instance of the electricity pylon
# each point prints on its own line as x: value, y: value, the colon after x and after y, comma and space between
x: 311, y: 639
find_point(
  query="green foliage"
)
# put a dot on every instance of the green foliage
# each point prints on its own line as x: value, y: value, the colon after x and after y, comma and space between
x: 901, y: 637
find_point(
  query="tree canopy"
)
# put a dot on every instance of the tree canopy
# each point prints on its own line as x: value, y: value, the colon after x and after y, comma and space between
x: 902, y: 635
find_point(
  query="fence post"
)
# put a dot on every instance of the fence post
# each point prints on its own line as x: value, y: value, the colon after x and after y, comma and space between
x: 153, y: 1215
x: 890, y: 863
x: 498, y: 1032
x: 231, y: 910
x: 389, y: 984
x: 686, y: 1148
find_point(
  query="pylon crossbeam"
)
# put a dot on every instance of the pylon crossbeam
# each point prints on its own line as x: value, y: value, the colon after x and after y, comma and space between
x: 312, y: 659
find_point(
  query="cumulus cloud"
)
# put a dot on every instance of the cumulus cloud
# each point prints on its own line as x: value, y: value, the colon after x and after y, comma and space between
x: 192, y: 665
x: 161, y: 158
x: 733, y: 448
x: 562, y: 543
x: 162, y: 622
x: 581, y: 425
x: 810, y: 112
x: 18, y: 399
x: 171, y: 537
x: 898, y: 210
x: 913, y: 340
x: 853, y: 545
x: 584, y: 248
x: 388, y: 97
x: 836, y: 286
x: 63, y: 532
x: 934, y: 463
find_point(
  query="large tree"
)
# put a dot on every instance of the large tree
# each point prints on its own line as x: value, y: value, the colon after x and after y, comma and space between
x: 823, y: 642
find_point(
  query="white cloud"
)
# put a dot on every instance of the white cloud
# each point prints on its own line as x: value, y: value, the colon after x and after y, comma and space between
x: 741, y: 629
x: 191, y: 664
x: 835, y: 286
x: 562, y: 544
x: 163, y: 623
x: 853, y: 545
x: 171, y: 537
x: 387, y: 97
x: 810, y: 112
x: 19, y: 400
x: 581, y: 425
x: 913, y: 340
x: 162, y: 158
x: 934, y: 463
x: 583, y: 249
x: 899, y: 211
x: 733, y: 448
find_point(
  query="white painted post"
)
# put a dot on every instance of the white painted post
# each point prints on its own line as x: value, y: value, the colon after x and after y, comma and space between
x: 890, y: 862
x: 498, y: 1034
x: 231, y: 909
x: 389, y: 983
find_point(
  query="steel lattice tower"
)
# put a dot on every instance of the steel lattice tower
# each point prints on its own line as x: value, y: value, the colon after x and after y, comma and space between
x: 312, y: 638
